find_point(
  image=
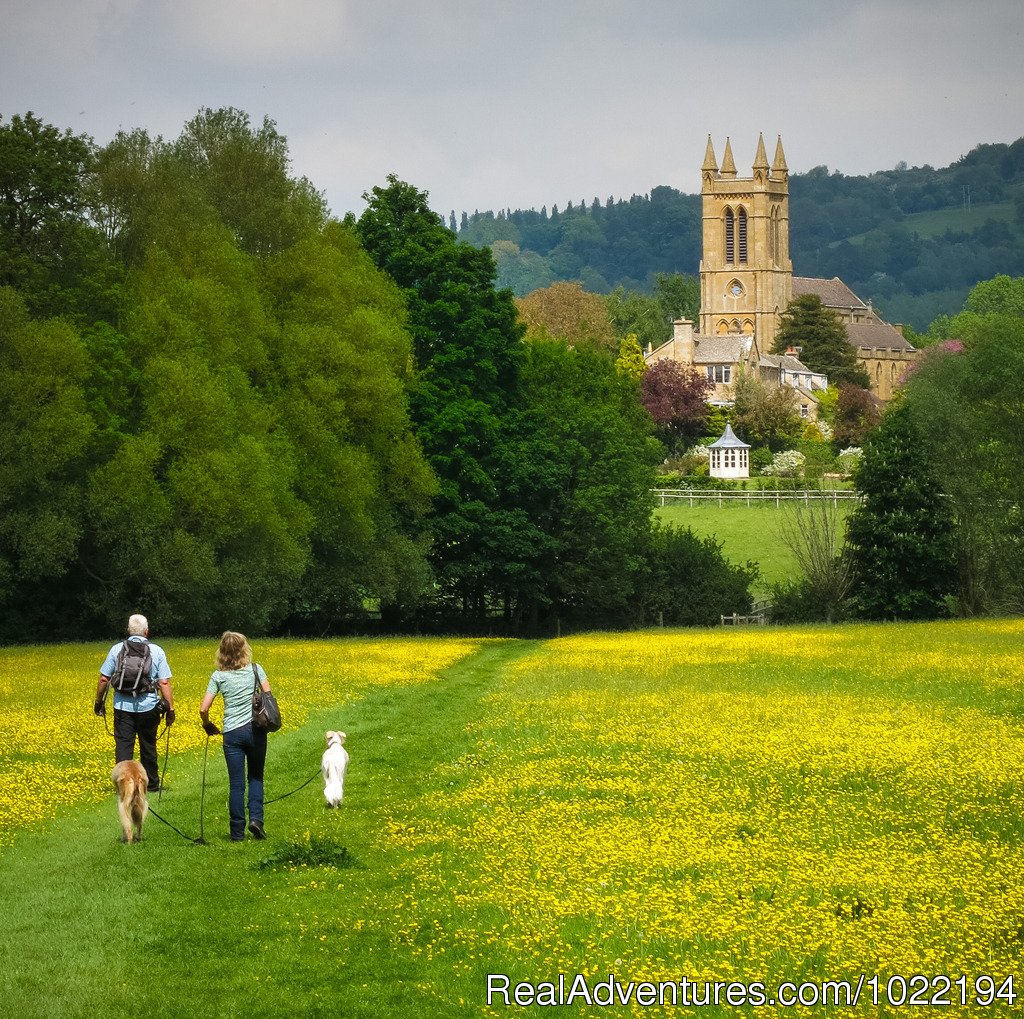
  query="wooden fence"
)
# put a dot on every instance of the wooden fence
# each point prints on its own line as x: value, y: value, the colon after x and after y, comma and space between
x: 690, y: 496
x: 759, y: 615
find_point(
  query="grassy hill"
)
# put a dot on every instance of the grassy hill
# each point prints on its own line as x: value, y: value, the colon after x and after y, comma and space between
x: 747, y: 533
x: 938, y: 222
x: 799, y: 804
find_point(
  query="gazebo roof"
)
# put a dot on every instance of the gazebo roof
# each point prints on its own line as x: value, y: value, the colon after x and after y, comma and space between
x: 728, y: 440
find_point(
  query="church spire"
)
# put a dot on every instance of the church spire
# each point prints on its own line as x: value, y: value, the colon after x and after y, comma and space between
x: 761, y: 159
x: 728, y: 163
x: 779, y: 168
x: 710, y: 163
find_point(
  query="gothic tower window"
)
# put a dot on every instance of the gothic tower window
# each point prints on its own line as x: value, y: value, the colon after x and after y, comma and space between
x: 743, y: 234
x: 730, y: 236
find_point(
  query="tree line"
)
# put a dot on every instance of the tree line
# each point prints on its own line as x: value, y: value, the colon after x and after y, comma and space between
x: 855, y: 227
x: 223, y: 406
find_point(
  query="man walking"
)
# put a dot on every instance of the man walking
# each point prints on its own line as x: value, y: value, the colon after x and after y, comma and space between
x: 139, y: 673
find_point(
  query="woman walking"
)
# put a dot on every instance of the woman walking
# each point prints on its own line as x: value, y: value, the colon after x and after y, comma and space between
x: 235, y: 680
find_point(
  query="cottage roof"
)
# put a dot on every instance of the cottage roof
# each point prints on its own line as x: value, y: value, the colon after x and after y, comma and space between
x: 728, y: 440
x: 834, y: 293
x: 875, y: 334
x: 788, y: 362
x: 729, y: 349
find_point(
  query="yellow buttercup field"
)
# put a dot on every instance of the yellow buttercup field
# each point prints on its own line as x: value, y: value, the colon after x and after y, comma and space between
x: 737, y: 805
x: 753, y: 805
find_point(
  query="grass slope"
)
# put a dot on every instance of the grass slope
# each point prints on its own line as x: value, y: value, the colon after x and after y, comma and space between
x: 746, y: 533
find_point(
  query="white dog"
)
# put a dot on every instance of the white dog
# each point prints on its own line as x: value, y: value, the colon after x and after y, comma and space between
x: 333, y: 766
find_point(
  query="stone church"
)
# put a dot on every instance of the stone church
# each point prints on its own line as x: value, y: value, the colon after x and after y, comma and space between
x: 747, y: 281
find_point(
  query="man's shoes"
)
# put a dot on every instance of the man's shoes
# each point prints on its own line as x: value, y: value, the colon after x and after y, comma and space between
x: 155, y: 787
x: 256, y: 830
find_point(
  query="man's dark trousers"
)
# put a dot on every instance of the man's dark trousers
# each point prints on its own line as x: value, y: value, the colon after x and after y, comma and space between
x: 128, y: 725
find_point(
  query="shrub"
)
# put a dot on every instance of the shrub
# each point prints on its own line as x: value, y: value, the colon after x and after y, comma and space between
x: 848, y: 460
x: 796, y: 601
x: 686, y: 581
x: 787, y: 464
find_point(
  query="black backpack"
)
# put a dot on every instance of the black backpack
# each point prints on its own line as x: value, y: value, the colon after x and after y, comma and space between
x: 133, y: 669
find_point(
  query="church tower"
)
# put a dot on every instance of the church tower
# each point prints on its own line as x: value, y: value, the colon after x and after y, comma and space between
x: 746, y: 276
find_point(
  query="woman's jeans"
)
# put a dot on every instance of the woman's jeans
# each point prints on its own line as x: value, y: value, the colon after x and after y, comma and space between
x: 244, y: 746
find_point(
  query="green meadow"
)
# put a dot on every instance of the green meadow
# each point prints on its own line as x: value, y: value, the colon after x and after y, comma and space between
x: 734, y: 807
x: 747, y: 534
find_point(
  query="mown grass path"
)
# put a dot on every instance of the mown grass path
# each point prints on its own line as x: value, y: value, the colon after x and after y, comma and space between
x: 90, y: 927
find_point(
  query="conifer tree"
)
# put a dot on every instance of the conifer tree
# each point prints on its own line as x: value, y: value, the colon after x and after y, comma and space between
x: 820, y: 336
x: 901, y: 537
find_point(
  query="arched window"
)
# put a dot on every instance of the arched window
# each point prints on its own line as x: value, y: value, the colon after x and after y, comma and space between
x: 878, y: 372
x: 743, y: 234
x: 775, y: 237
x: 730, y: 236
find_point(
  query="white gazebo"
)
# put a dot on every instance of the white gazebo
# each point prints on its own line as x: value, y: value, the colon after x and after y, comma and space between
x: 730, y: 458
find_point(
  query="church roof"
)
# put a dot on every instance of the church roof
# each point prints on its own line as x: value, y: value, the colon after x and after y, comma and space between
x: 876, y: 334
x: 728, y: 440
x: 834, y: 293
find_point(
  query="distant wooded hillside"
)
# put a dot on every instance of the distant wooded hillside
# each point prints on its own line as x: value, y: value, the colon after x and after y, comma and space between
x: 911, y: 239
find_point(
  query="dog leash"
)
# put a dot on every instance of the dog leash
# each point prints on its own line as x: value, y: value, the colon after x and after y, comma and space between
x: 188, y: 838
x: 167, y: 750
x: 316, y: 774
x: 200, y: 840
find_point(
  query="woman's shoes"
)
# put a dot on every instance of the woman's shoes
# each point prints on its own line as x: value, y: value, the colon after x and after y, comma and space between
x: 256, y: 830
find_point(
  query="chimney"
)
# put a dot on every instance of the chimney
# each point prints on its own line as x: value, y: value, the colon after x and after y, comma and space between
x: 682, y: 341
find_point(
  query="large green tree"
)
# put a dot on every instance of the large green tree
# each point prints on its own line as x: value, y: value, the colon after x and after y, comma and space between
x: 242, y: 172
x: 819, y: 335
x: 900, y: 538
x: 568, y: 312
x: 468, y: 352
x: 582, y: 473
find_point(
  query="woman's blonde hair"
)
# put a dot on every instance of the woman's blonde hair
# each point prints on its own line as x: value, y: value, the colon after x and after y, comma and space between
x: 234, y: 651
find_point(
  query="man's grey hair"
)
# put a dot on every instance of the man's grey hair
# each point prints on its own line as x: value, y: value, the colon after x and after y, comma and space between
x: 138, y: 626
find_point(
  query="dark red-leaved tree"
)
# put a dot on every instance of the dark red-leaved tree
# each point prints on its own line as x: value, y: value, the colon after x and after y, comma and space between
x: 675, y: 395
x: 857, y: 413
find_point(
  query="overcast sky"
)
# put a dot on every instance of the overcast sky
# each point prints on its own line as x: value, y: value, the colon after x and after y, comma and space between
x: 530, y: 102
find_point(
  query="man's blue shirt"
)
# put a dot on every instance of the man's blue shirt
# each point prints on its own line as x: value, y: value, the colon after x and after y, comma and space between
x: 160, y: 670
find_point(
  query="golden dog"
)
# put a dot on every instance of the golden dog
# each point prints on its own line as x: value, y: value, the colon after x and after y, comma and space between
x: 131, y: 783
